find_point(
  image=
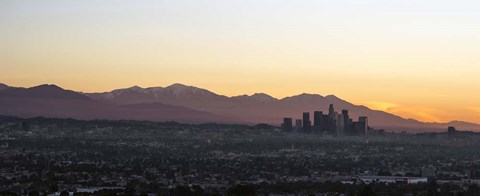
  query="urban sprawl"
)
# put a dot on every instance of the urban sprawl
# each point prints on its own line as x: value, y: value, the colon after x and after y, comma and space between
x: 46, y: 156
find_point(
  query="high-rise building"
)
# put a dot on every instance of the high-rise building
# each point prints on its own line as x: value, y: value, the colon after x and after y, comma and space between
x: 346, y: 124
x: 351, y: 127
x: 306, y: 122
x: 325, y: 123
x: 330, y: 126
x: 298, y: 125
x: 331, y: 113
x: 364, y: 121
x: 332, y: 129
x: 287, y: 124
x: 333, y: 123
x: 340, y: 125
x: 451, y: 131
x: 317, y: 121
x: 356, y: 128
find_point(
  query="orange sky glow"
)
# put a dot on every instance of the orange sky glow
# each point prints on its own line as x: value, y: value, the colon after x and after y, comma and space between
x: 415, y: 59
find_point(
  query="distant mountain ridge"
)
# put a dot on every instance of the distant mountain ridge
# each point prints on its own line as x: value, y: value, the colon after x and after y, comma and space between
x: 3, y: 86
x: 42, y: 91
x: 184, y: 103
x: 261, y: 107
x: 135, y: 94
x: 261, y: 97
x: 53, y: 101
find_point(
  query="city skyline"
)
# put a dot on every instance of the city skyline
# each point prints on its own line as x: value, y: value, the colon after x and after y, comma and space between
x: 261, y: 107
x: 332, y: 124
x: 413, y: 59
x: 239, y: 97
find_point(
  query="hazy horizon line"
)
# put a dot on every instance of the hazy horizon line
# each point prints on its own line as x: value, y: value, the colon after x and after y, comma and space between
x: 278, y: 99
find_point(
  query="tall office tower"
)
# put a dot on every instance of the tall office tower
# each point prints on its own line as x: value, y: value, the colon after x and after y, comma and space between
x: 306, y: 122
x: 340, y: 125
x: 325, y: 123
x: 331, y: 113
x: 331, y: 119
x: 364, y: 121
x: 351, y: 127
x: 332, y: 130
x: 346, y: 125
x: 287, y: 124
x: 357, y: 128
x: 317, y: 121
x: 298, y: 125
x: 451, y: 131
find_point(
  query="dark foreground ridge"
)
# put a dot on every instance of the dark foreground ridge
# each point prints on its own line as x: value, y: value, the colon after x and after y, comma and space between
x: 48, y: 156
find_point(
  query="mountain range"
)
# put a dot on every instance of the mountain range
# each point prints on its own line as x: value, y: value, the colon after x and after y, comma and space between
x: 184, y: 103
x: 53, y: 101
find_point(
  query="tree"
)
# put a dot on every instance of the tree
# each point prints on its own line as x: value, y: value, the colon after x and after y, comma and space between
x: 64, y: 193
x: 241, y: 190
x: 34, y: 193
x: 198, y: 190
x: 181, y: 191
x: 367, y: 191
x: 473, y: 190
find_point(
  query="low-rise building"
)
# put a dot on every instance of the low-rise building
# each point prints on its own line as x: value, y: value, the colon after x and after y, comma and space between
x: 392, y: 179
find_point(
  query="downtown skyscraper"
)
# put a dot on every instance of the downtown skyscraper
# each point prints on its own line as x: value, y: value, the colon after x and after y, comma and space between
x: 333, y: 123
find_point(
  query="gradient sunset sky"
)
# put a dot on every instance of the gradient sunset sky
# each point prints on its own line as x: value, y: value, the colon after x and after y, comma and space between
x: 414, y: 58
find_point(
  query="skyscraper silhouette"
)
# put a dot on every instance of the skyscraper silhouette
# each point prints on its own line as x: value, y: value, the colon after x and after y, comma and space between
x: 331, y: 112
x: 317, y: 121
x: 340, y: 125
x: 287, y: 124
x: 346, y: 123
x: 333, y: 123
x: 298, y: 125
x: 364, y: 123
x: 306, y: 122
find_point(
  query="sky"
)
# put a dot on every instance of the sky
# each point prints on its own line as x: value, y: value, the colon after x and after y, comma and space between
x: 416, y: 59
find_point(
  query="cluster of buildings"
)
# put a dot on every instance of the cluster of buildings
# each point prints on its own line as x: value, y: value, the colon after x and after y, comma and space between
x: 331, y: 123
x: 390, y: 179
